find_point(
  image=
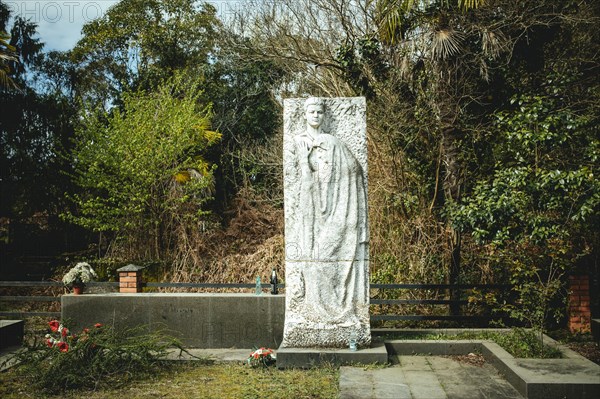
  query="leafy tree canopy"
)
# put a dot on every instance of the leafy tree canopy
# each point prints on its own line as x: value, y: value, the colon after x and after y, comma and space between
x: 143, y: 167
x: 139, y: 43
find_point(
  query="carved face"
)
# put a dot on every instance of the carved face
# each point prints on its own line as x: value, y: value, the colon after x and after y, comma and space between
x: 314, y: 115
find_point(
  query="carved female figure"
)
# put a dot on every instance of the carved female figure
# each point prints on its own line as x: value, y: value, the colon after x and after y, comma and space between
x: 327, y: 282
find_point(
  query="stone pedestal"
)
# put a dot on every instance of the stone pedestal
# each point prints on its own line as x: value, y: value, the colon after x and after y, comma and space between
x: 130, y: 279
x: 314, y: 357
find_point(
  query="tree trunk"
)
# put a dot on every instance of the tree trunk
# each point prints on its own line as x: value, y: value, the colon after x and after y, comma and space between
x: 452, y: 192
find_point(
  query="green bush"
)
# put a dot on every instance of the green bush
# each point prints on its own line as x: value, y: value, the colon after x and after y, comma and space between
x: 522, y: 343
x: 142, y: 170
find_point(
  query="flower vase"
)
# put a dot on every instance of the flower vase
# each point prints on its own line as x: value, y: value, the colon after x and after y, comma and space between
x: 77, y: 289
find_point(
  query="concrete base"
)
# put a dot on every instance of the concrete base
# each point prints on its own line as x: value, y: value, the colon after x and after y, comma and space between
x: 572, y: 376
x: 424, y: 377
x: 11, y: 333
x: 313, y: 357
x: 197, y: 320
x: 432, y: 348
x: 596, y: 329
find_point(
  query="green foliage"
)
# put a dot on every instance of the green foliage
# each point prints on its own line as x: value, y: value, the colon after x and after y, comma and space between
x: 391, y: 15
x: 543, y: 182
x: 24, y: 42
x: 141, y: 168
x: 539, y: 196
x: 523, y: 343
x: 248, y: 116
x: 138, y: 44
x: 499, y: 122
x: 96, y: 357
x: 34, y: 127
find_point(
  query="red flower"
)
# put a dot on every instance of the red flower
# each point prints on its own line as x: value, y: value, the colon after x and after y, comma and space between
x: 64, y: 332
x: 98, y: 325
x: 86, y: 330
x: 54, y: 325
x: 49, y: 343
x: 63, y: 346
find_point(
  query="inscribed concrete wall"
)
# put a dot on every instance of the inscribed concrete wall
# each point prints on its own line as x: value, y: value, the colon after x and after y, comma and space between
x: 198, y: 320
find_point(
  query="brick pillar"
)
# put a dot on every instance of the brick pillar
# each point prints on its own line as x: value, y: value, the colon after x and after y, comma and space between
x: 130, y: 279
x: 579, y: 304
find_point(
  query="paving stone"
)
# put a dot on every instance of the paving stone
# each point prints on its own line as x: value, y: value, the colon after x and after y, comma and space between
x: 390, y: 383
x: 415, y: 363
x: 356, y: 383
x: 425, y: 377
x: 424, y: 385
x: 372, y: 384
x: 464, y: 381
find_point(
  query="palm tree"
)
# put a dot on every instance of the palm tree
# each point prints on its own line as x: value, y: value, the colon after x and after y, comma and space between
x: 442, y: 51
x: 390, y: 14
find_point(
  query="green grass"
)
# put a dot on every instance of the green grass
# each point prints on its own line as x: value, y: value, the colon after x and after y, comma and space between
x: 201, y: 381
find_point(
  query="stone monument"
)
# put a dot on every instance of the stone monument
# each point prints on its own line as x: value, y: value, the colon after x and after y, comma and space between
x: 326, y: 227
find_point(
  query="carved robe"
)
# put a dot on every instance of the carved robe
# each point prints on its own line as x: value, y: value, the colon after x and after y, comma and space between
x: 326, y: 246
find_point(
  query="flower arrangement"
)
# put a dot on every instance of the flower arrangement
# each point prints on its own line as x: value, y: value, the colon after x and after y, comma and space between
x: 262, y: 357
x: 97, y: 356
x: 79, y: 275
x: 61, y: 338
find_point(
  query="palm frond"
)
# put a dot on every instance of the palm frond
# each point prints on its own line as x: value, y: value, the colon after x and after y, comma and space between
x: 6, y: 83
x: 492, y: 43
x: 445, y: 43
x: 388, y: 16
x: 7, y: 57
x: 469, y: 4
x: 484, y: 70
x: 7, y: 54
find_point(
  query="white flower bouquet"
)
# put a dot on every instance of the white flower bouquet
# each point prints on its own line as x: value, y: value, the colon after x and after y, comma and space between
x: 80, y: 274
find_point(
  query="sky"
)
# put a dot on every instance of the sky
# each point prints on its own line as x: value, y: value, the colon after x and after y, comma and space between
x: 60, y: 21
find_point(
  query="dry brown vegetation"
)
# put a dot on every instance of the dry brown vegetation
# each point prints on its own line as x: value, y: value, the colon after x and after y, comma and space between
x: 250, y: 245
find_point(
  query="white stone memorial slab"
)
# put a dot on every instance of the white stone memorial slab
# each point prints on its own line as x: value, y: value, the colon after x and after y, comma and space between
x: 326, y: 227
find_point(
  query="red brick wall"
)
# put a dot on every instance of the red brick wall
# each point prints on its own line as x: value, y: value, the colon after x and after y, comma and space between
x: 130, y: 282
x: 579, y: 303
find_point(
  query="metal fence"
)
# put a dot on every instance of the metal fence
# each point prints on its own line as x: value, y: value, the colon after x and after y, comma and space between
x: 454, y: 291
x: 378, y: 300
